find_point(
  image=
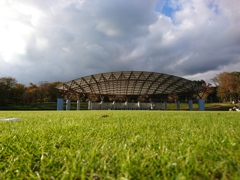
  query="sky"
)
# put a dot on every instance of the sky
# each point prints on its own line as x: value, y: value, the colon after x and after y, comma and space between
x: 61, y: 40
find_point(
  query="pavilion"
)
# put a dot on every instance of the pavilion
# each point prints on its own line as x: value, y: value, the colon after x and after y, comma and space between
x: 130, y: 90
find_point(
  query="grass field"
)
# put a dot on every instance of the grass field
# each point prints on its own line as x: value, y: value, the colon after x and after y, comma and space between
x: 120, y: 145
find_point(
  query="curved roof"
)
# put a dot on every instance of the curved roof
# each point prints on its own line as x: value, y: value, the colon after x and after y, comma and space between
x: 129, y: 83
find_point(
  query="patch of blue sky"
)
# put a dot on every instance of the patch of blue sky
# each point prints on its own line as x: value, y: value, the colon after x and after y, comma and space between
x: 214, y: 6
x: 168, y: 11
x: 165, y: 8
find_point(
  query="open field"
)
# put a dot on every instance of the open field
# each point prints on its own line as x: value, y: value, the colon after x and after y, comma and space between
x: 120, y: 145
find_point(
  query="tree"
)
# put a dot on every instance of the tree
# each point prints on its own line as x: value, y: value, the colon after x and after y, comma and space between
x: 18, y: 92
x: 6, y: 84
x: 31, y: 93
x: 48, y: 92
x: 228, y: 85
x: 43, y: 91
x: 207, y: 89
x: 10, y: 91
x: 54, y: 93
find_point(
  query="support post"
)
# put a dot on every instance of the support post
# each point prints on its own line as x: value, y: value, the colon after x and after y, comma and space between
x: 152, y: 106
x: 126, y: 104
x: 68, y: 104
x: 201, y: 105
x: 113, y: 105
x: 165, y: 105
x: 59, y: 104
x: 101, y: 105
x: 89, y: 105
x: 190, y: 105
x: 78, y: 104
x: 139, y: 105
x: 178, y: 105
x: 239, y: 101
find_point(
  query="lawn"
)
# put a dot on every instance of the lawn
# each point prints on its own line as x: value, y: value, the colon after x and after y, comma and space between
x: 120, y: 145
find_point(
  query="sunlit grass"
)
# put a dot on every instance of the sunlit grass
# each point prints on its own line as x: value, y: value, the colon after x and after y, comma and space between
x: 123, y: 144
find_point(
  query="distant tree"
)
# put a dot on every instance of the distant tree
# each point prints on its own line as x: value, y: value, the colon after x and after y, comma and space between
x: 18, y: 92
x: 53, y: 92
x: 11, y: 92
x: 173, y: 97
x: 236, y: 79
x: 43, y: 91
x: 228, y: 84
x: 31, y: 94
x: 6, y: 85
x: 48, y: 92
x: 206, y: 91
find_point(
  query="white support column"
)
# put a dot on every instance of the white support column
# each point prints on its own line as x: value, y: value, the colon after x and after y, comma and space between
x: 68, y: 104
x: 201, y: 105
x: 190, y: 105
x: 113, y: 105
x: 152, y: 106
x: 101, y: 105
x: 139, y: 105
x: 178, y: 105
x: 89, y: 105
x: 78, y: 104
x: 239, y: 101
x: 165, y: 105
x: 126, y: 105
x: 59, y: 104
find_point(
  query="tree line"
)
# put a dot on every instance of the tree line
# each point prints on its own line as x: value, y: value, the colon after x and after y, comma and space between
x: 226, y: 89
x: 12, y: 92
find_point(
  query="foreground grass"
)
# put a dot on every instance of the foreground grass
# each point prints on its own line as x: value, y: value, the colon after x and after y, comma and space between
x: 120, y: 145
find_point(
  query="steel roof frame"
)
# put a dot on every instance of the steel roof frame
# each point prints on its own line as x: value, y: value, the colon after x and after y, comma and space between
x: 129, y: 83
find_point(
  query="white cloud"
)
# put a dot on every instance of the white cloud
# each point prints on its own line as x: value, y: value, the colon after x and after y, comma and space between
x: 61, y: 40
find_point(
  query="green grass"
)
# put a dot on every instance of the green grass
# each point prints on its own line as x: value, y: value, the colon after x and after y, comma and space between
x: 123, y: 145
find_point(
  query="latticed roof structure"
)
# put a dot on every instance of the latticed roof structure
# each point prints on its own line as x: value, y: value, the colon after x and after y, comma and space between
x: 129, y: 83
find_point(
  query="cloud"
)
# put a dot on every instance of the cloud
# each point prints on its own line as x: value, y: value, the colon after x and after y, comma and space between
x: 62, y: 40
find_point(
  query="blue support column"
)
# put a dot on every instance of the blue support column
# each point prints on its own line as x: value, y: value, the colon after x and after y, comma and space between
x: 178, y: 105
x: 59, y: 104
x: 201, y: 105
x: 190, y: 105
